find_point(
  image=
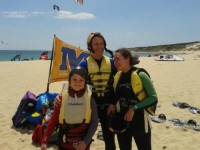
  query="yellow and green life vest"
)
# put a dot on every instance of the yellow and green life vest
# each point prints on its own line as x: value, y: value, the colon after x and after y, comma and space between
x: 99, y: 76
x: 137, y: 87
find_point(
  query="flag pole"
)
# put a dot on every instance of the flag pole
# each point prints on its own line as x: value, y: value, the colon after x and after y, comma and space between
x: 48, y: 83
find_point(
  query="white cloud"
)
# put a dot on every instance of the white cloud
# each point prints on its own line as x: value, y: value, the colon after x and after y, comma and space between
x: 70, y: 15
x: 36, y: 13
x: 20, y: 14
x: 15, y: 14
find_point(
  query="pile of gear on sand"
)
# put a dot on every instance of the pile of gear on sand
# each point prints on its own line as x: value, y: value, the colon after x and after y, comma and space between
x: 33, y: 113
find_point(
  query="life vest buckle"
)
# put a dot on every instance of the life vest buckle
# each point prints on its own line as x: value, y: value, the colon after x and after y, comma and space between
x: 99, y: 73
x: 74, y: 139
x: 99, y: 80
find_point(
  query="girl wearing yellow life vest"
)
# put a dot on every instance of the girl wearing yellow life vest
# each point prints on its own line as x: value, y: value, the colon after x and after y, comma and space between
x: 76, y: 116
x: 136, y: 96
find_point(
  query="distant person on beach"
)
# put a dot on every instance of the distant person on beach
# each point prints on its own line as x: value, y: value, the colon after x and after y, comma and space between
x: 76, y: 117
x: 136, y: 96
x: 101, y: 71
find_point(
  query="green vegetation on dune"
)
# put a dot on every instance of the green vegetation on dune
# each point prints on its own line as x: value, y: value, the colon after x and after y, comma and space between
x: 190, y: 46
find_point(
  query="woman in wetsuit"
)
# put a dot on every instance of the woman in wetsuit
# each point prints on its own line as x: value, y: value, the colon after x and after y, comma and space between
x: 136, y: 98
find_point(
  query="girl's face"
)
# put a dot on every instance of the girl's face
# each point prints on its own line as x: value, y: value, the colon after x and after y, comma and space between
x: 98, y: 47
x: 121, y: 63
x: 77, y: 82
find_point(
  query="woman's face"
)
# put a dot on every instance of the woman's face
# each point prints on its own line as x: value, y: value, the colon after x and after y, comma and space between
x: 121, y: 63
x: 77, y: 82
x: 98, y: 47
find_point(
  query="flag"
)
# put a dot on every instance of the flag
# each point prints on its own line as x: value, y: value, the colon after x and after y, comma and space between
x: 65, y: 58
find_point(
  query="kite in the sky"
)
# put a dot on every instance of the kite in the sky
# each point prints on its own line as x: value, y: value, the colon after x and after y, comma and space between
x: 56, y: 7
x: 79, y: 1
x: 3, y: 43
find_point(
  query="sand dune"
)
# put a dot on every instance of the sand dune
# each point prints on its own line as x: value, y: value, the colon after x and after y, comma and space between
x: 174, y: 81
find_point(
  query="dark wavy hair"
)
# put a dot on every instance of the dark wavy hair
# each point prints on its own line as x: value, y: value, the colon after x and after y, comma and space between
x: 127, y: 54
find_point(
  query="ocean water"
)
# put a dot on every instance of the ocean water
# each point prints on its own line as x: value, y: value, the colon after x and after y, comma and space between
x: 7, y: 55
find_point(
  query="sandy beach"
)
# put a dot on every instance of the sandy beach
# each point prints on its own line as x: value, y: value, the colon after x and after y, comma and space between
x: 174, y: 81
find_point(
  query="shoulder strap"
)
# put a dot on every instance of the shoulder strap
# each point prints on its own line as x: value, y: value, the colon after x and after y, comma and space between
x: 142, y: 70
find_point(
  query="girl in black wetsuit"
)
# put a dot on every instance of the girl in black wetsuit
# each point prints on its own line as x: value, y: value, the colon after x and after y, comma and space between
x: 132, y: 105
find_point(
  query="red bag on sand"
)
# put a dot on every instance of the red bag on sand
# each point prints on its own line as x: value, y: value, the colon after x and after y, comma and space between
x: 41, y: 128
x: 37, y: 134
x: 38, y: 131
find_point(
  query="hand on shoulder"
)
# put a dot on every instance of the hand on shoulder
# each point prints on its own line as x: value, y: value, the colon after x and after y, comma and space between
x: 58, y: 100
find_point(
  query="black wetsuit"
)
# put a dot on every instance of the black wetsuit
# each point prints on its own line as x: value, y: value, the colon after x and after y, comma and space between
x: 136, y: 129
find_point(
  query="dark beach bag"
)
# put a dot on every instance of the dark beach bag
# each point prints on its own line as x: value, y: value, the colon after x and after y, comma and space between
x: 25, y: 109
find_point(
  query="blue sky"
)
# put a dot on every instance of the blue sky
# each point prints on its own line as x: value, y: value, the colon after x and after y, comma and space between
x: 31, y: 24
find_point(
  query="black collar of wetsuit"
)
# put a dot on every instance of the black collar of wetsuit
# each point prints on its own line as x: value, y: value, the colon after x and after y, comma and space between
x: 130, y: 71
x: 99, y: 61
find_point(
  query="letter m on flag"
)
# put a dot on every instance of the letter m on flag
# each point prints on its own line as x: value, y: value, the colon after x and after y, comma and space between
x: 65, y: 58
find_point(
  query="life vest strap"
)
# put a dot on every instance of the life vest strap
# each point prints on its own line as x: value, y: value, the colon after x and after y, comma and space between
x: 99, y: 73
x: 73, y: 126
x: 100, y: 80
x: 100, y: 91
x: 147, y: 121
x: 138, y: 93
x: 72, y: 138
x: 100, y: 86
